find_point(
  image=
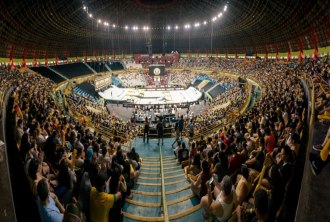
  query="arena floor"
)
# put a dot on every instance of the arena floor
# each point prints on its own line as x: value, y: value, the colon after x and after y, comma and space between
x: 148, y: 96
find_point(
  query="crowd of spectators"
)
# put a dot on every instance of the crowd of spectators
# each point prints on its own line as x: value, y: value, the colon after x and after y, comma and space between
x: 76, y: 173
x: 146, y: 60
x: 182, y: 78
x: 217, y: 111
x: 73, y: 173
x: 100, y: 117
x: 224, y: 168
x: 132, y: 79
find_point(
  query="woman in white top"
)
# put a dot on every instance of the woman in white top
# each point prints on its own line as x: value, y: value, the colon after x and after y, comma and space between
x: 224, y: 203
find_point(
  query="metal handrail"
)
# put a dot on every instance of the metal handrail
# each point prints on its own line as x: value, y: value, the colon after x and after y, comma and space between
x: 163, y: 192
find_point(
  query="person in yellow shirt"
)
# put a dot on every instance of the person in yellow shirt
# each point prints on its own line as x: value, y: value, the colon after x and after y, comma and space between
x: 100, y: 201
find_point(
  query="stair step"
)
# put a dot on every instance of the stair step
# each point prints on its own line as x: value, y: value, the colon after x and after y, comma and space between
x: 141, y: 211
x: 166, y: 177
x: 180, y: 194
x: 143, y: 204
x: 196, y: 216
x: 149, y: 164
x: 159, y: 184
x: 155, y: 193
x: 141, y: 218
x: 185, y: 212
x: 173, y: 172
x: 175, y: 186
x: 147, y: 199
x: 158, y: 167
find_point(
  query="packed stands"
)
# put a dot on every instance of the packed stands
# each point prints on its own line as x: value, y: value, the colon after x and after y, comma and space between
x: 266, y: 140
x: 132, y: 78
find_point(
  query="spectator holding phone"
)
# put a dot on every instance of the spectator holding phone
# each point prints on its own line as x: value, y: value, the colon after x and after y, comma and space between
x: 221, y: 201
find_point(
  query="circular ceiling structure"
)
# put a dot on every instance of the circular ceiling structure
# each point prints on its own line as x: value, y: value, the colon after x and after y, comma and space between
x: 61, y: 27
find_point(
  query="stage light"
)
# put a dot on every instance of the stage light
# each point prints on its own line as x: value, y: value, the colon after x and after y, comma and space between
x: 126, y: 27
x: 176, y: 27
x: 214, y: 18
x: 168, y: 27
x: 114, y: 26
x: 197, y: 24
x: 205, y: 22
x: 90, y: 15
x: 99, y: 21
x: 85, y: 8
x: 225, y: 8
x: 220, y: 14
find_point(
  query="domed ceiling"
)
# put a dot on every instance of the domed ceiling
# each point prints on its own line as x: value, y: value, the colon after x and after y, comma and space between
x: 76, y: 28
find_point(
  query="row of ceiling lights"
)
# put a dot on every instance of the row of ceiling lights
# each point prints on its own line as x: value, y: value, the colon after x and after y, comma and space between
x: 146, y: 28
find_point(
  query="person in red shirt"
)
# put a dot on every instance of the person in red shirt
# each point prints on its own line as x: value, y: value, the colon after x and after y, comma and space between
x: 269, y: 140
x: 235, y: 161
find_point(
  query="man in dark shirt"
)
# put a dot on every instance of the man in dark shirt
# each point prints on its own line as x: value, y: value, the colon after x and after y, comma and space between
x: 160, y: 131
x: 146, y: 130
x: 181, y: 125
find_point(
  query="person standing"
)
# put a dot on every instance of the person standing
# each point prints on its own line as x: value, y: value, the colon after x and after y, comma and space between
x: 181, y: 125
x: 160, y: 130
x: 146, y: 130
x: 191, y: 129
x: 177, y: 134
x: 100, y: 201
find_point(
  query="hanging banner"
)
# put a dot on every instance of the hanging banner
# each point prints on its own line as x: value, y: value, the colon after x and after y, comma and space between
x: 300, y: 56
x: 85, y: 57
x: 288, y: 58
x: 35, y: 62
x: 67, y: 58
x: 11, y: 58
x: 46, y: 59
x: 23, y: 59
x: 56, y: 59
x: 316, y: 52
